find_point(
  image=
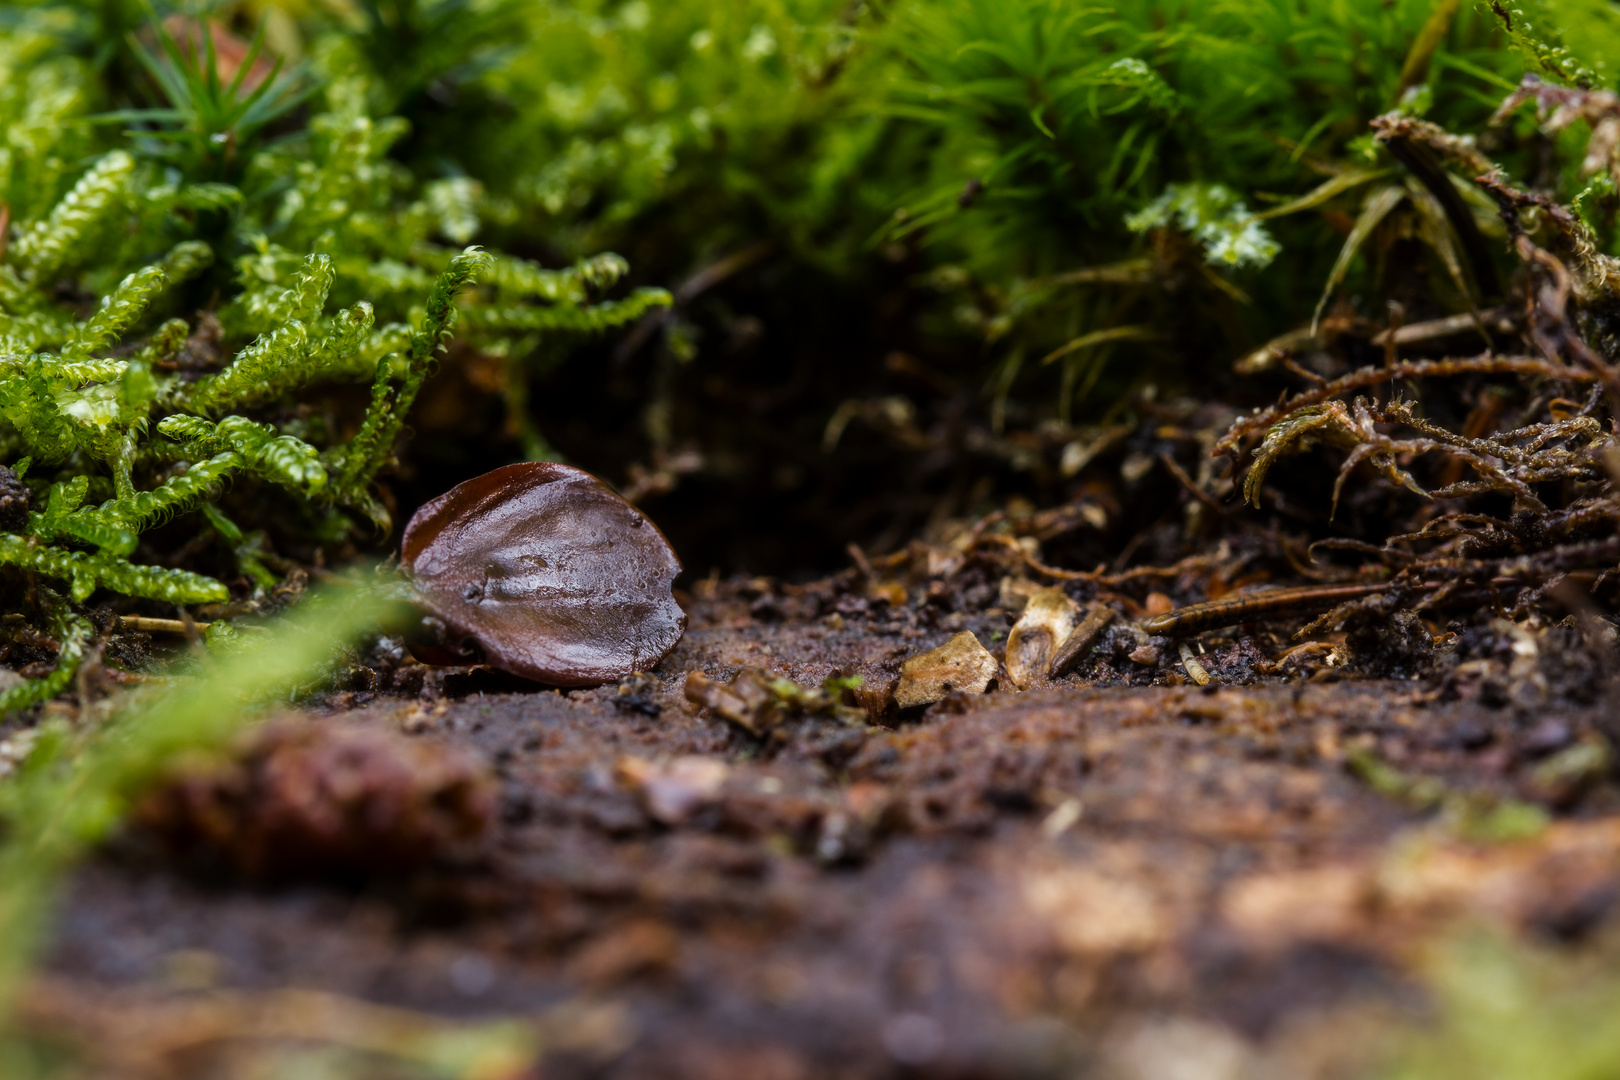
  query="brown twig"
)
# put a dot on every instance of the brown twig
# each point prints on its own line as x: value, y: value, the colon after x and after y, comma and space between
x: 1186, y: 481
x: 1247, y: 607
x: 149, y: 625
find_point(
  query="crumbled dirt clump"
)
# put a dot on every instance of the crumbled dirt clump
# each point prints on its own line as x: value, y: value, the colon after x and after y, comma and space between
x: 1387, y: 643
x: 322, y: 799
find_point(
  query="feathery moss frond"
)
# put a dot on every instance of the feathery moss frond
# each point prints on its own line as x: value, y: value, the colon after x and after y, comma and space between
x: 520, y: 277
x: 85, y: 573
x: 282, y: 459
x: 395, y: 390
x: 119, y: 310
x: 569, y: 318
x: 181, y: 493
x: 50, y: 246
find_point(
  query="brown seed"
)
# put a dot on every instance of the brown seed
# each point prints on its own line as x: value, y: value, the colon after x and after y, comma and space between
x: 1079, y: 643
x: 551, y: 574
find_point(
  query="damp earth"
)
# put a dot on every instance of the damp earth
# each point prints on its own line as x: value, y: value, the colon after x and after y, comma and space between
x: 749, y: 861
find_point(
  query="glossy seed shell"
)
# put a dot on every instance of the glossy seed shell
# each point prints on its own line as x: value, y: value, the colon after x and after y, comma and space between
x: 554, y: 576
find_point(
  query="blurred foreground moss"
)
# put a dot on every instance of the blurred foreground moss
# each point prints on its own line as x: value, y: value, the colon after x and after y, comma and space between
x: 1516, y: 1012
x: 77, y: 781
x: 1476, y: 816
x: 290, y: 1033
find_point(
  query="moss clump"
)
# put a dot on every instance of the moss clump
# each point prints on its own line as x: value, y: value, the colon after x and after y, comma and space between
x: 265, y: 199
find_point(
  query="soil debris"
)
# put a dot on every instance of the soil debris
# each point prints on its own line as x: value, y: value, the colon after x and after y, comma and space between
x: 1007, y: 885
x: 140, y: 1036
x: 637, y: 691
x: 757, y: 702
x: 673, y: 791
x: 14, y: 500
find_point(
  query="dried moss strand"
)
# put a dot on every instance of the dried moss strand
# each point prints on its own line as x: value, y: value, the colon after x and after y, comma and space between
x: 1416, y: 369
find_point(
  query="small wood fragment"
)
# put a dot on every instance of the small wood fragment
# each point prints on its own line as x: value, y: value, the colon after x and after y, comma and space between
x: 962, y: 663
x: 1080, y: 642
x: 149, y: 625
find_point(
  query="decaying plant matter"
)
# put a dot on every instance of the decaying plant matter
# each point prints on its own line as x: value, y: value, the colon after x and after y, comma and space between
x: 1520, y: 508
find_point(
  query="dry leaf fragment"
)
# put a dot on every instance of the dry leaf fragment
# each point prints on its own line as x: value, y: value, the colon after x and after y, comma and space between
x: 1015, y: 592
x: 959, y: 664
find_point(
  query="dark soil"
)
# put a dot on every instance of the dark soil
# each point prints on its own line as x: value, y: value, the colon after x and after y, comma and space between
x: 1075, y: 880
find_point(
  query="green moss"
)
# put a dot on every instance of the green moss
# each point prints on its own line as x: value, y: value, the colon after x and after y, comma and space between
x: 326, y: 262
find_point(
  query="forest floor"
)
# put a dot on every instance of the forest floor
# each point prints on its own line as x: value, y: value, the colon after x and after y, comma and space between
x: 1089, y: 878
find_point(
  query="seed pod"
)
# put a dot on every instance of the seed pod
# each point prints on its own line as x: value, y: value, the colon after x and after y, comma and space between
x: 553, y: 576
